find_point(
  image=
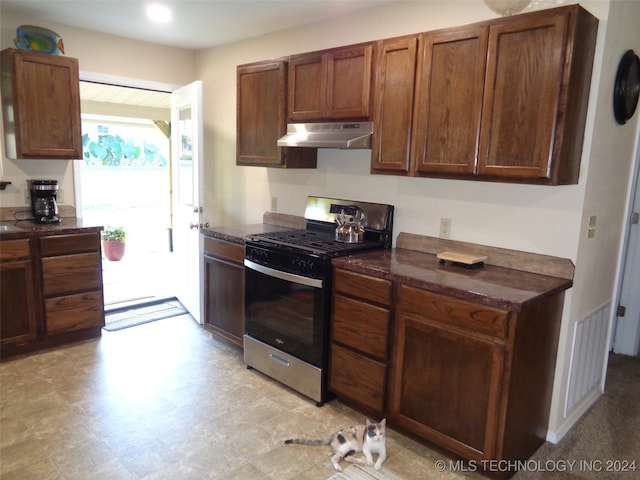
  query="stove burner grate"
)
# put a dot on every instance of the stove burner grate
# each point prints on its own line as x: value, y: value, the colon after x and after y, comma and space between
x: 318, y: 242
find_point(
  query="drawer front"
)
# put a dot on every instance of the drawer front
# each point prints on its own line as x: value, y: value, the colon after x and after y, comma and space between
x: 224, y: 249
x: 377, y: 290
x: 74, y: 312
x: 71, y: 273
x: 361, y: 326
x: 451, y: 312
x: 280, y: 366
x: 67, y: 244
x: 357, y: 378
x: 14, y: 249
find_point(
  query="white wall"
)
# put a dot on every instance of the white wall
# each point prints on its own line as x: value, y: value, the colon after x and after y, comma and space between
x: 540, y: 219
x: 100, y: 54
x: 606, y: 175
x: 548, y: 220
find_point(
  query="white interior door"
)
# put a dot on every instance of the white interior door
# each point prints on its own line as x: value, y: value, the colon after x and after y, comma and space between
x: 186, y: 163
x: 627, y: 327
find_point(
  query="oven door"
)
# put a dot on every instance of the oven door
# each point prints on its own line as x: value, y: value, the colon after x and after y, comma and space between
x: 287, y: 311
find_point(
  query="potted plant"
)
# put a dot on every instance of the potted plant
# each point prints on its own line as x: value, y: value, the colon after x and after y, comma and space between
x: 113, y: 242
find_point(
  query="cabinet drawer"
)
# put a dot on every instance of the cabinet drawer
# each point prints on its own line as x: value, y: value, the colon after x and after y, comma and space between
x: 361, y: 326
x: 358, y: 378
x: 14, y: 249
x: 71, y: 273
x: 67, y: 244
x: 451, y: 312
x: 224, y: 249
x: 374, y: 289
x: 74, y: 312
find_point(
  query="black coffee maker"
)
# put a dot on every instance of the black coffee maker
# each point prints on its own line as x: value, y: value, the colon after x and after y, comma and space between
x: 44, y: 207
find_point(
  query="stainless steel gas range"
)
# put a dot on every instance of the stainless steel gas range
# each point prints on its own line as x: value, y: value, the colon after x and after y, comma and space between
x: 288, y: 285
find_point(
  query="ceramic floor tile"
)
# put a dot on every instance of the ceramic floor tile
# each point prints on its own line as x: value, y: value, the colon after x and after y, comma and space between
x: 22, y: 454
x: 167, y: 400
x: 244, y: 472
x: 286, y: 461
x: 36, y: 470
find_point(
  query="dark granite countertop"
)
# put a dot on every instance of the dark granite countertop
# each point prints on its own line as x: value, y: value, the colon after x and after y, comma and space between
x: 492, y: 285
x: 238, y: 233
x: 26, y: 228
x: 271, y: 222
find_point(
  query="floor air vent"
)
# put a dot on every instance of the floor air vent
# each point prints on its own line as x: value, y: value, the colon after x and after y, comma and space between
x: 587, y: 356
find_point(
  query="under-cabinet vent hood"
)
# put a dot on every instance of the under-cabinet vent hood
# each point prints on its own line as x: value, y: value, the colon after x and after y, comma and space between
x: 328, y: 135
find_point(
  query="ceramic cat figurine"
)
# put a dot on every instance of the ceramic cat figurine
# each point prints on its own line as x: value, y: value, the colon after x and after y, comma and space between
x: 368, y: 439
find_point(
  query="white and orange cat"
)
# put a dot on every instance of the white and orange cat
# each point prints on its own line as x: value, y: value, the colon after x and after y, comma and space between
x: 368, y: 439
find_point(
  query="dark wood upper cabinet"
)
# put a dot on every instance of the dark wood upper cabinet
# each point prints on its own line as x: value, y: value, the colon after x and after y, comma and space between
x: 261, y: 118
x: 449, y: 100
x: 330, y: 85
x: 501, y: 100
x: 395, y: 61
x: 41, y: 105
x: 536, y: 94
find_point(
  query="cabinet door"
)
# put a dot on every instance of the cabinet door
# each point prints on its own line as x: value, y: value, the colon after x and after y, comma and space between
x: 361, y: 326
x: 45, y: 98
x: 330, y: 85
x: 74, y: 312
x: 261, y: 118
x: 224, y: 298
x: 307, y: 86
x: 357, y: 378
x: 393, y: 108
x: 449, y: 100
x: 71, y: 273
x: 349, y: 83
x: 445, y: 387
x: 17, y: 308
x: 523, y: 91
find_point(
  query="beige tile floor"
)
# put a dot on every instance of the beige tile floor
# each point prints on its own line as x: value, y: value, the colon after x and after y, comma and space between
x: 166, y: 400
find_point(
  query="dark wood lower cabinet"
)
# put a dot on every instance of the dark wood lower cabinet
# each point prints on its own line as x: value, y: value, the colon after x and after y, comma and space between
x: 72, y: 283
x: 18, y: 323
x: 446, y: 387
x: 224, y: 289
x: 471, y: 378
x: 51, y: 290
x: 360, y: 333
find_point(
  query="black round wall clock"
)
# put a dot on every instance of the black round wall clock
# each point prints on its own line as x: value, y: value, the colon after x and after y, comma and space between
x: 627, y: 87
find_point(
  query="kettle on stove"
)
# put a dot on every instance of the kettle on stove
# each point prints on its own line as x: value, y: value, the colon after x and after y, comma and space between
x: 350, y: 227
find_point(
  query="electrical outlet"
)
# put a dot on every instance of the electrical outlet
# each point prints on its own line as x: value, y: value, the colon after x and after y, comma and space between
x: 445, y: 227
x: 274, y: 204
x: 27, y: 198
x: 591, y: 232
x: 60, y: 196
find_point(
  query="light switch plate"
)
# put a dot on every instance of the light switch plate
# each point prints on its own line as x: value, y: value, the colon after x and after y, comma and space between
x: 591, y: 232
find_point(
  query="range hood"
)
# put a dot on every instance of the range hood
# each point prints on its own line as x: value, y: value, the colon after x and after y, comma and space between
x: 328, y: 135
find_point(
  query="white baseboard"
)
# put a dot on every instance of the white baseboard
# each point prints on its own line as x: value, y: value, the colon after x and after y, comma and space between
x: 576, y: 414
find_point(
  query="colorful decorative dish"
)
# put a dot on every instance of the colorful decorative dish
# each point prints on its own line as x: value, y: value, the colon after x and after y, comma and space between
x: 38, y: 39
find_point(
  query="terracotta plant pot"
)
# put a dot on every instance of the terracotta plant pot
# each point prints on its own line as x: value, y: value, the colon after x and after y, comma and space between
x: 113, y: 249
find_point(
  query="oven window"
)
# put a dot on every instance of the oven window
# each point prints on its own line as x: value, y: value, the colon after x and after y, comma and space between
x: 286, y: 315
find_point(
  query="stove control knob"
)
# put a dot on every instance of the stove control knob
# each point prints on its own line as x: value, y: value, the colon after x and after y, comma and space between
x: 303, y: 264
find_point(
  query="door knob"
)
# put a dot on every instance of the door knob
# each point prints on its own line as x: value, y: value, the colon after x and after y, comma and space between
x: 194, y: 225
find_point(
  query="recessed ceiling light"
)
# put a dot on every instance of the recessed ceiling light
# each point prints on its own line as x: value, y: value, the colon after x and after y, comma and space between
x: 159, y: 13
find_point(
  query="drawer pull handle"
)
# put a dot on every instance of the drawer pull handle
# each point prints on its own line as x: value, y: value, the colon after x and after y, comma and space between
x: 282, y: 361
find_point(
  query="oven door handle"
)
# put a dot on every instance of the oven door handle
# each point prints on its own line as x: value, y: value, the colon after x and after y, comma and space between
x: 289, y: 277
